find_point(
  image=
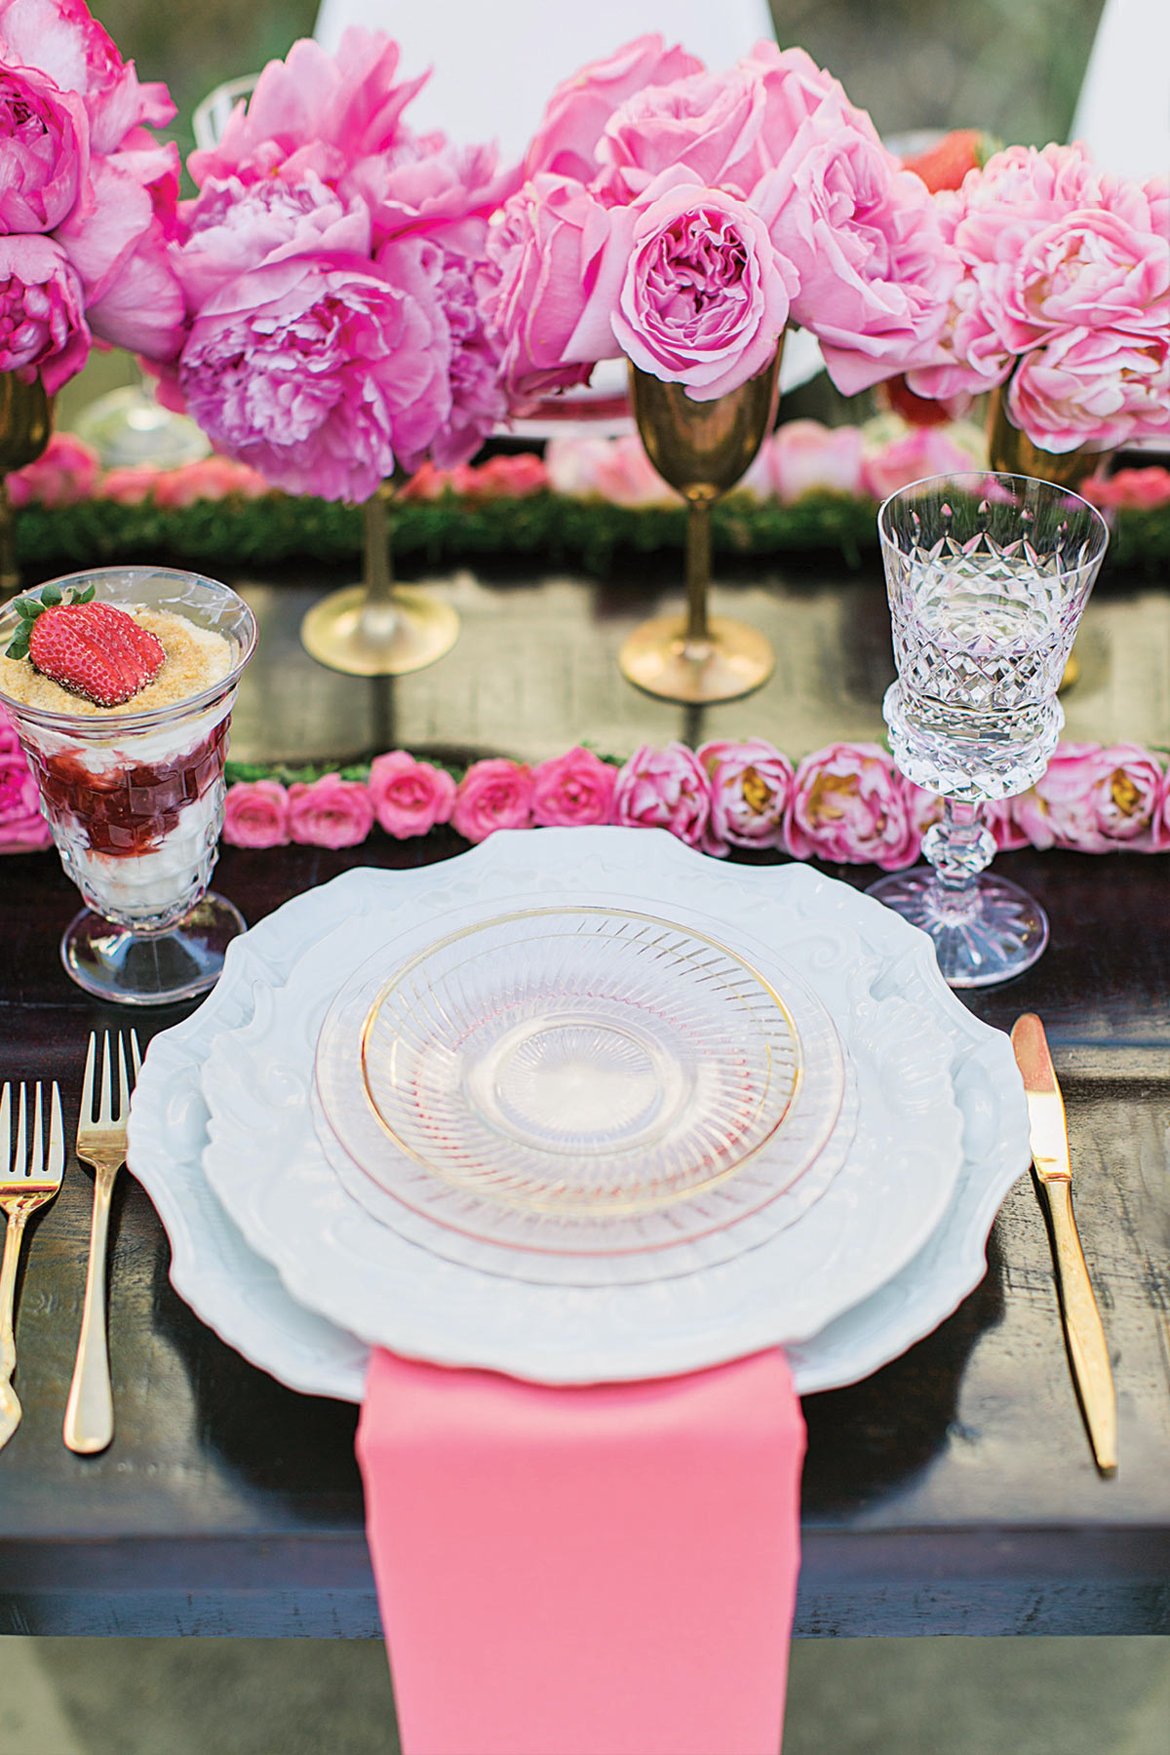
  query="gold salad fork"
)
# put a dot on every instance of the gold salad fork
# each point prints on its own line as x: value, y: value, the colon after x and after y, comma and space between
x: 30, y: 1176
x: 101, y: 1143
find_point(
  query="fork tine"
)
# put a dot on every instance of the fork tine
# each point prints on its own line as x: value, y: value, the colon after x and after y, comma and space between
x: 19, y: 1166
x: 106, y: 1111
x: 123, y: 1081
x: 56, y: 1163
x: 87, y: 1080
x: 135, y: 1056
x: 37, y: 1157
x: 6, y: 1124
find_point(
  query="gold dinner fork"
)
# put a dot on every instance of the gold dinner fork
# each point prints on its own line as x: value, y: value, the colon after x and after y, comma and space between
x: 29, y: 1179
x: 101, y: 1143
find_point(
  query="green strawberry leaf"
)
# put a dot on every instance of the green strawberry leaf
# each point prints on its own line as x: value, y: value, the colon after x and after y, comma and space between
x: 18, y: 646
x: 51, y: 596
x: 85, y: 596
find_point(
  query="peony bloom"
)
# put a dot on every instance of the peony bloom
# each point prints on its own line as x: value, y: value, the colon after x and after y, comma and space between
x: 44, y: 150
x: 704, y: 296
x: 64, y: 473
x: 804, y: 457
x: 916, y: 452
x: 573, y: 789
x: 330, y: 812
x: 232, y: 227
x: 321, y: 372
x: 1095, y: 800
x: 849, y: 805
x: 1129, y: 490
x: 42, y: 312
x: 22, y: 827
x: 478, y: 402
x: 256, y: 814
x: 409, y: 797
x: 751, y: 784
x: 495, y: 794
x: 1093, y: 387
x: 664, y: 789
x: 567, y: 136
x: 617, y: 470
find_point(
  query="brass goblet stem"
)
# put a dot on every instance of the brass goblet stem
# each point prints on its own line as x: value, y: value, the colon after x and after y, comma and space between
x: 25, y: 426
x: 698, y: 569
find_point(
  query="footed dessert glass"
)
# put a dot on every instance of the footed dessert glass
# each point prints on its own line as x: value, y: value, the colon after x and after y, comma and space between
x: 135, y: 802
x: 988, y: 576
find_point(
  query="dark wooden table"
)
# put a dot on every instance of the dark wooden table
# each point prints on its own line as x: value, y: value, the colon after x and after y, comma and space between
x: 951, y: 1493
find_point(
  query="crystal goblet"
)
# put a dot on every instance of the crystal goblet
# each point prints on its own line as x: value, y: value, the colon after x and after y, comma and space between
x: 988, y: 576
x: 134, y: 797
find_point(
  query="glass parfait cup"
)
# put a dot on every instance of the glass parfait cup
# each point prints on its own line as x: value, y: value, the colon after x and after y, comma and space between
x: 135, y: 804
x: 988, y: 576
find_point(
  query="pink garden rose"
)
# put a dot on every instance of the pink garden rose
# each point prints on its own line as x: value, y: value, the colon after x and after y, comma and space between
x: 1096, y: 387
x: 849, y: 805
x: 44, y: 150
x: 22, y: 827
x: 78, y: 54
x: 751, y: 784
x: 566, y: 138
x: 409, y: 797
x: 915, y: 453
x: 320, y: 372
x: 804, y: 457
x: 42, y: 312
x: 572, y: 790
x: 65, y: 472
x: 665, y: 789
x: 704, y: 297
x: 1096, y: 800
x: 130, y: 485
x: 208, y: 478
x: 510, y: 476
x: 1129, y: 490
x: 256, y: 814
x: 330, y: 812
x: 617, y: 470
x: 495, y: 794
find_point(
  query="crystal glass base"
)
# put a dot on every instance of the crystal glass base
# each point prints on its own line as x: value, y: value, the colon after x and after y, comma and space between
x: 978, y: 943
x: 151, y: 968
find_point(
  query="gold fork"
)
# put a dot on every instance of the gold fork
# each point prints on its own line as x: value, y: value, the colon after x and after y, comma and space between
x: 29, y: 1180
x: 101, y: 1143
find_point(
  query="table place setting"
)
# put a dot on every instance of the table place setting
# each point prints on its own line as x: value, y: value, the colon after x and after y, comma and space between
x: 575, y: 1160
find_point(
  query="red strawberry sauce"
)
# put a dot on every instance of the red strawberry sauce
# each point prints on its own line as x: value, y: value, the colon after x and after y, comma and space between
x: 129, y: 810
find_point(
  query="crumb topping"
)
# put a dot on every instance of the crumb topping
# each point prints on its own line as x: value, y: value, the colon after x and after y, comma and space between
x: 196, y: 659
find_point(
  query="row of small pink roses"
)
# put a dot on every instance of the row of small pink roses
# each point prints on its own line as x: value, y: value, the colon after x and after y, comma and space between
x: 845, y: 803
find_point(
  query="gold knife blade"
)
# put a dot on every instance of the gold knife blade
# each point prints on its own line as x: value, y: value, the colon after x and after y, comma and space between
x: 1087, y: 1346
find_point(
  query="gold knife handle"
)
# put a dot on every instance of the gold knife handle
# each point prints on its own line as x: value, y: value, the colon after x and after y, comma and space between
x: 1087, y: 1346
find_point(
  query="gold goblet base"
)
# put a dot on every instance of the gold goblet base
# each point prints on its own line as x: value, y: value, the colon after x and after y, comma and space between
x: 731, y: 661
x: 349, y: 632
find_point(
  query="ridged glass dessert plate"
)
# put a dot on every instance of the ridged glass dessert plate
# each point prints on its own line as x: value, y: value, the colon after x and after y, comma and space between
x: 559, y: 1084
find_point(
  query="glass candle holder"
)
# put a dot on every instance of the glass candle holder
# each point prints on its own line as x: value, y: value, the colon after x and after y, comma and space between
x: 135, y: 803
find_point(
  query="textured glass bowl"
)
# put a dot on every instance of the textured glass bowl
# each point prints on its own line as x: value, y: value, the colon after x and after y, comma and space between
x: 579, y: 1080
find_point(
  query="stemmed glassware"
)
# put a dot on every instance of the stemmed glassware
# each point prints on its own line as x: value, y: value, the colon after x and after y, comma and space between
x: 988, y: 576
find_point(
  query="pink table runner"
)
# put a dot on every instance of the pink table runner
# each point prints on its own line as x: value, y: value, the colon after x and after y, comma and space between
x: 608, y: 1570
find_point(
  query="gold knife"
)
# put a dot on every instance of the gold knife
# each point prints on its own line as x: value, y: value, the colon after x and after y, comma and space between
x: 1087, y: 1346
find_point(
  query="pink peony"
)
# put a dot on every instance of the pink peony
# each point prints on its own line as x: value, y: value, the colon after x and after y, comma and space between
x: 495, y: 794
x: 572, y: 789
x: 540, y: 283
x: 1095, y: 800
x: 65, y: 472
x: 409, y: 797
x: 1094, y: 387
x: 232, y: 227
x: 804, y: 457
x: 22, y: 827
x: 256, y: 814
x: 704, y: 296
x: 1091, y: 269
x: 321, y: 372
x: 617, y: 470
x: 849, y: 804
x: 478, y: 402
x: 42, y: 312
x: 330, y: 812
x: 665, y: 789
x: 433, y: 188
x: 566, y: 138
x: 917, y: 452
x: 1130, y: 490
x: 44, y: 150
x: 751, y: 785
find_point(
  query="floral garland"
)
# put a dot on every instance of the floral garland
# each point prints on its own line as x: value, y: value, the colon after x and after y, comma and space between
x: 843, y: 804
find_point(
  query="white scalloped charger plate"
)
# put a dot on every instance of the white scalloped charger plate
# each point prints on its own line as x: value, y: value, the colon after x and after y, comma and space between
x: 241, y: 1296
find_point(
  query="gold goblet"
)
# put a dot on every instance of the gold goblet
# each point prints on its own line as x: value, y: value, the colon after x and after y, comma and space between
x: 26, y: 421
x: 702, y: 449
x: 379, y: 628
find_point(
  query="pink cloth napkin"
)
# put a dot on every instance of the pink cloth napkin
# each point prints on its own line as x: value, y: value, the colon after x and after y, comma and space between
x: 608, y: 1570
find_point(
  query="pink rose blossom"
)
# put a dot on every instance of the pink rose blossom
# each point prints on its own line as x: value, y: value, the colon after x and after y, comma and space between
x: 1095, y: 800
x: 708, y: 124
x: 44, y: 150
x: 321, y: 372
x: 131, y: 485
x: 78, y: 54
x: 409, y: 797
x: 804, y: 457
x: 42, y: 312
x: 917, y: 452
x: 1130, y: 490
x: 510, y: 476
x: 751, y: 785
x: 495, y: 794
x: 617, y: 470
x: 330, y: 812
x: 65, y: 472
x: 256, y: 814
x: 572, y: 789
x: 665, y: 789
x: 849, y: 805
x: 209, y: 478
x: 1091, y: 269
x: 22, y: 827
x: 566, y: 138
x: 704, y: 297
x: 1097, y: 387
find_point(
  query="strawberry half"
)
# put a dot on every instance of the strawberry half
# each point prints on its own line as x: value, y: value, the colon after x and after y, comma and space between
x: 92, y: 649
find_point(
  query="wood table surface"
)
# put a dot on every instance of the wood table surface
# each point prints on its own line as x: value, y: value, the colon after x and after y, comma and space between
x: 952, y: 1492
